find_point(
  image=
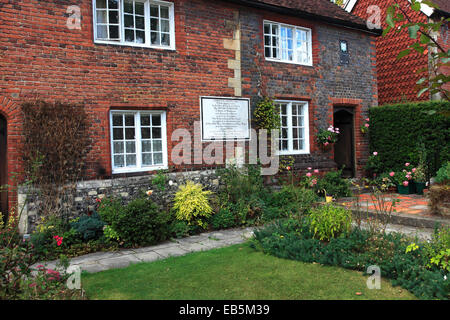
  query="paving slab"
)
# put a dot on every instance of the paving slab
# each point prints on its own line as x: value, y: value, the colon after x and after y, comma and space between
x: 148, y: 256
x: 171, y: 252
x: 119, y: 262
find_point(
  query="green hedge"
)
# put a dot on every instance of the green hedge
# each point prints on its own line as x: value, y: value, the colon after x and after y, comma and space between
x: 396, y: 132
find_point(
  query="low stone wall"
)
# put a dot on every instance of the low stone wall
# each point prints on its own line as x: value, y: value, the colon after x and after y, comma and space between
x: 85, y: 197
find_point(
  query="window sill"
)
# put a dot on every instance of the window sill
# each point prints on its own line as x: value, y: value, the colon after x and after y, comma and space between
x: 292, y: 153
x: 290, y: 62
x: 135, y: 170
x: 135, y: 45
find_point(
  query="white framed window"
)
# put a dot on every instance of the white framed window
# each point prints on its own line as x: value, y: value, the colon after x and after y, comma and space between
x: 294, y: 130
x: 286, y: 43
x: 138, y: 141
x: 141, y: 23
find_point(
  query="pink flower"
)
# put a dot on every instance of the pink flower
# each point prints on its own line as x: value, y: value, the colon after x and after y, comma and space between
x: 375, y: 153
x: 367, y: 119
x: 408, y: 177
x: 414, y: 170
x: 367, y: 125
x: 405, y: 183
x: 309, y: 168
x: 309, y: 174
x: 316, y: 170
x: 314, y: 181
x: 288, y: 168
x: 392, y: 173
x: 58, y: 240
x: 407, y: 164
x: 326, y: 143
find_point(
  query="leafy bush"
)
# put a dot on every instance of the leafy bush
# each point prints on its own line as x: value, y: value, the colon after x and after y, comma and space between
x: 180, y: 229
x: 138, y: 223
x: 293, y: 201
x: 334, y: 184
x: 439, y: 199
x: 191, y: 204
x: 293, y: 239
x: 267, y: 115
x: 89, y: 226
x: 437, y: 250
x: 329, y: 221
x: 398, y: 131
x: 224, y: 219
x: 443, y: 174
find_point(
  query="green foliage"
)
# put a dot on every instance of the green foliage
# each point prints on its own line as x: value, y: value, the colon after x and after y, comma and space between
x: 443, y: 174
x: 180, y: 229
x: 138, y: 223
x: 327, y: 136
x: 397, y: 132
x: 191, y: 204
x: 357, y: 250
x: 334, y: 184
x: 329, y: 221
x: 160, y: 180
x: 437, y: 250
x: 110, y: 233
x: 223, y: 219
x: 267, y: 115
x: 398, y: 18
x: 293, y: 201
x: 89, y: 226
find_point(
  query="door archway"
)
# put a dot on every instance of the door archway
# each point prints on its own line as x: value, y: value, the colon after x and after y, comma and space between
x: 344, y: 148
x: 3, y: 166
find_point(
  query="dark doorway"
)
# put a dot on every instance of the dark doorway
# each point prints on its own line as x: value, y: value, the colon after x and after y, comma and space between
x: 3, y: 171
x: 344, y: 147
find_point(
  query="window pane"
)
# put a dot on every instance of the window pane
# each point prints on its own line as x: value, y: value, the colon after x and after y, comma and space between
x: 131, y: 147
x: 145, y: 120
x: 131, y: 160
x: 156, y: 133
x: 157, y: 145
x: 119, y: 161
x: 102, y: 32
x: 140, y: 23
x: 267, y: 28
x: 154, y: 24
x: 267, y: 52
x: 113, y: 4
x: 146, y: 146
x: 100, y: 4
x: 102, y: 16
x: 165, y: 26
x: 118, y: 134
x: 128, y: 6
x: 165, y: 39
x: 145, y: 133
x: 155, y: 38
x: 129, y: 35
x: 114, y: 32
x: 118, y: 147
x: 154, y: 11
x: 274, y: 29
x: 117, y: 120
x: 295, y: 144
x: 129, y: 133
x: 139, y: 8
x: 129, y: 120
x: 158, y: 158
x: 140, y: 36
x: 284, y: 145
x: 129, y: 21
x: 164, y: 12
x: 147, y: 159
x: 113, y: 16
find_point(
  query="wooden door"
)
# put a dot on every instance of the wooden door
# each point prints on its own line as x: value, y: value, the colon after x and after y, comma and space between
x: 344, y: 147
x: 3, y: 171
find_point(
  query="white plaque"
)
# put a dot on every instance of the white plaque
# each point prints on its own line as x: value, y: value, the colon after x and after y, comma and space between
x: 225, y: 118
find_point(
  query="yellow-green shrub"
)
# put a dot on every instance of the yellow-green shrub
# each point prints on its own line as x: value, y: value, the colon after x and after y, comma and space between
x: 192, y: 204
x: 329, y: 221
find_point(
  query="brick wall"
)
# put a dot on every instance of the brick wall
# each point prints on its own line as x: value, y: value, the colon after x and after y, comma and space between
x: 40, y: 58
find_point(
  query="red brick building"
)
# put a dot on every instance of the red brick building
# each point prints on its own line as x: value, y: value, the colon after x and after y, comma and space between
x: 140, y: 68
x: 397, y: 78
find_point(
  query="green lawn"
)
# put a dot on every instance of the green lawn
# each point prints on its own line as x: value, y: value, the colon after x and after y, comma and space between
x: 236, y: 272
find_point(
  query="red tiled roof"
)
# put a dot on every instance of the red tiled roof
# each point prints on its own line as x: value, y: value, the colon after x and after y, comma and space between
x: 320, y: 9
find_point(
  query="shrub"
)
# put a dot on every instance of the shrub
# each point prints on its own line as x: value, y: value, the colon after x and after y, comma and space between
x: 437, y: 250
x: 89, y: 226
x: 439, y: 199
x: 357, y: 250
x: 397, y: 133
x: 329, y: 221
x: 267, y: 115
x: 179, y: 229
x: 138, y: 223
x: 224, y: 219
x: 443, y: 174
x: 191, y: 204
x: 293, y: 201
x: 334, y: 184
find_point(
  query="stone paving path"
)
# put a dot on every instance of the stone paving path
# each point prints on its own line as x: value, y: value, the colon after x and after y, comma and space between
x: 100, y: 261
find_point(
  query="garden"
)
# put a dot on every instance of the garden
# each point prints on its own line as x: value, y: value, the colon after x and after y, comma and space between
x: 298, y: 223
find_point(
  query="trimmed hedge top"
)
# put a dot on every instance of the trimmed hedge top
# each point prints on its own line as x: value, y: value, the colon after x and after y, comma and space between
x: 397, y: 132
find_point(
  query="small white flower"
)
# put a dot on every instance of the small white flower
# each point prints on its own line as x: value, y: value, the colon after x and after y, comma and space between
x: 445, y: 277
x: 170, y: 182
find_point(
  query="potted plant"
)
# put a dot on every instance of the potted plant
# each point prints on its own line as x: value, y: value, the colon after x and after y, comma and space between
x: 419, y: 179
x: 327, y: 137
x: 403, y: 179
